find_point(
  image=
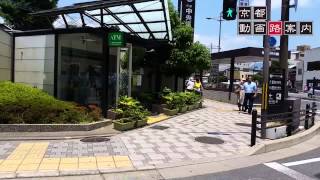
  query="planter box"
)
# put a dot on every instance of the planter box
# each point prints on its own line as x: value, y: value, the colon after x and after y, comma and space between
x: 276, y: 133
x: 112, y: 115
x: 170, y: 112
x: 190, y: 107
x: 142, y: 123
x: 158, y: 108
x: 122, y: 125
x: 183, y: 109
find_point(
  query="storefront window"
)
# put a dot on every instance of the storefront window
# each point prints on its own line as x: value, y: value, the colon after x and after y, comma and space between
x: 80, y: 68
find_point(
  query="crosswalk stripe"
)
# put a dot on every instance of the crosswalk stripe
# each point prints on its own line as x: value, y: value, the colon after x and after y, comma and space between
x: 296, y: 163
x: 287, y: 171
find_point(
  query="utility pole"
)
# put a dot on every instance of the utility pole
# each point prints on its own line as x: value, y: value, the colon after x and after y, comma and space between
x: 284, y: 40
x: 220, y: 20
x: 266, y: 45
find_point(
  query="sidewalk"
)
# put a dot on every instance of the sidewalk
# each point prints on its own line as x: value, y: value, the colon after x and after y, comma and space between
x: 170, y: 141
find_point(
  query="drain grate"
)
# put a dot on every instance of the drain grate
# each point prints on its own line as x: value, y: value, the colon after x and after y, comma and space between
x: 159, y: 127
x: 94, y: 139
x: 209, y: 140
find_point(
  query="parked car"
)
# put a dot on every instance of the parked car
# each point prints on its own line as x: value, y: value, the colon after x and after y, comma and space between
x: 316, y: 92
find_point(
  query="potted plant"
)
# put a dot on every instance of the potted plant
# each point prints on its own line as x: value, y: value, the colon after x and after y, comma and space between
x: 172, y: 100
x: 114, y: 113
x: 190, y: 100
x: 182, y: 102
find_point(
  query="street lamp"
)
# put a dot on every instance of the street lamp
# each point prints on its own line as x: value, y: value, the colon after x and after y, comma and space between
x: 220, y: 24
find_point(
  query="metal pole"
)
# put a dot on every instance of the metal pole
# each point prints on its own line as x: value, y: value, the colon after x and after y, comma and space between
x: 220, y: 24
x: 284, y: 43
x: 254, y: 127
x: 264, y: 107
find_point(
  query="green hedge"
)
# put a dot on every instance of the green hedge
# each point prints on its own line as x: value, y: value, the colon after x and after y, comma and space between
x: 23, y: 104
x: 176, y: 100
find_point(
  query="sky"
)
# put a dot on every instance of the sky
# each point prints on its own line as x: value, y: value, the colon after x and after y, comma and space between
x: 207, y: 31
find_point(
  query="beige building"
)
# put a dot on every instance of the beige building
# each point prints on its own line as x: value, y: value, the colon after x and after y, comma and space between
x: 5, y: 55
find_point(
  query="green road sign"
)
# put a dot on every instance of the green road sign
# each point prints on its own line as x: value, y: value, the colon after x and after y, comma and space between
x: 116, y: 39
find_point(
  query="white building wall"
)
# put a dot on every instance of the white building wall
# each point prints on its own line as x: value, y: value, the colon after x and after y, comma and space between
x: 310, y: 56
x: 5, y: 56
x: 34, y: 61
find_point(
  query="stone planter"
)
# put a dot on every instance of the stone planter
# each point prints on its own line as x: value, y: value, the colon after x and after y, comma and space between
x: 276, y: 133
x: 183, y: 109
x: 170, y: 112
x: 190, y: 107
x: 142, y: 123
x: 113, y: 115
x: 123, y: 124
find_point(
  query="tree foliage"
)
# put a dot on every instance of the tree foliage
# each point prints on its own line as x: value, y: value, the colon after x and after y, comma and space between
x: 186, y: 57
x: 17, y: 13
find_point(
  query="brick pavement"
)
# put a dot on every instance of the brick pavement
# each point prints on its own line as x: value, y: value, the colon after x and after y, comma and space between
x: 147, y: 147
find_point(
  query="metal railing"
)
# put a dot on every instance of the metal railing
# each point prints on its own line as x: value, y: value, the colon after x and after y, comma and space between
x: 284, y: 119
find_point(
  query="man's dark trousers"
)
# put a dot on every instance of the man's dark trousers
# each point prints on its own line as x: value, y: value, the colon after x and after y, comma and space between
x: 248, y: 97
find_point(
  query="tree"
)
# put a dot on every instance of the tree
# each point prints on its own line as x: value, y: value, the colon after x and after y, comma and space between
x: 17, y: 13
x: 200, y: 57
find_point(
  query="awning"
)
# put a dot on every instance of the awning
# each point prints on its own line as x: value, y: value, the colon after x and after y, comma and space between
x: 244, y: 55
x: 148, y: 19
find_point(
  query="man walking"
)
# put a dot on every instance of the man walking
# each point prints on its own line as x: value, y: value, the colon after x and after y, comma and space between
x: 250, y: 90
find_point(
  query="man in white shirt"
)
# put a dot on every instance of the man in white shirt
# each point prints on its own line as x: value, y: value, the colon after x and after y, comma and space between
x: 250, y: 90
x: 190, y: 85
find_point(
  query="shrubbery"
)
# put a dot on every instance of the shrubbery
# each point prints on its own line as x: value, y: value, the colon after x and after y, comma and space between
x: 176, y: 100
x: 22, y: 104
x: 131, y: 108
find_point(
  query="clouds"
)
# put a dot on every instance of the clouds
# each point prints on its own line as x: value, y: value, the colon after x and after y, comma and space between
x: 229, y: 42
x: 277, y: 3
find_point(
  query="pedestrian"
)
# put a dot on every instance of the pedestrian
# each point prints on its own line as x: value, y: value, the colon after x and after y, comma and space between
x: 190, y: 85
x: 250, y: 90
x: 240, y: 94
x: 198, y: 86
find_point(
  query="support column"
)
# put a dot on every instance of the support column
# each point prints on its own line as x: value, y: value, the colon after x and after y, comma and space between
x: 284, y: 40
x: 231, y: 77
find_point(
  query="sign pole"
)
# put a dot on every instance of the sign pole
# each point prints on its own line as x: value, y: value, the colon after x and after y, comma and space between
x: 266, y: 45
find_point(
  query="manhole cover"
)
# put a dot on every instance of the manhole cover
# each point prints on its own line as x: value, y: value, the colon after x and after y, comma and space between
x: 209, y: 140
x: 95, y: 139
x: 159, y: 127
x: 243, y: 124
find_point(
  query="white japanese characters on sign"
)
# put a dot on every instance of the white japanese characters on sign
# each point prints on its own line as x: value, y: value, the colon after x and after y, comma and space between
x: 244, y: 13
x: 188, y: 11
x: 244, y: 28
x: 306, y: 28
x: 290, y: 28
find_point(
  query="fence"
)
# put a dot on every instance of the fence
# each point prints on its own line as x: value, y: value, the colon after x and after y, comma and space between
x: 284, y: 119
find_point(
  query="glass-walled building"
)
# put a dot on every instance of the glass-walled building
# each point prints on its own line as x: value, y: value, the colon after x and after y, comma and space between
x: 77, y: 60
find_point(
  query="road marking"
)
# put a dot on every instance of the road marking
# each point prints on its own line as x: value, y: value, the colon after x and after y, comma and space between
x: 296, y: 163
x: 289, y: 172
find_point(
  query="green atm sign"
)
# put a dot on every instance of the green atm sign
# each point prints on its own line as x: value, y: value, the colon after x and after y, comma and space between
x: 116, y: 39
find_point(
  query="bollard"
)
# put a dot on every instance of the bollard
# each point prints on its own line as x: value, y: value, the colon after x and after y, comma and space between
x: 289, y: 122
x: 306, y: 121
x: 254, y: 127
x: 314, y: 112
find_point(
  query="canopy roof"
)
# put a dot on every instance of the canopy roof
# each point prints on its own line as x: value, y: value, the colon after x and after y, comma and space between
x: 148, y: 19
x: 244, y: 55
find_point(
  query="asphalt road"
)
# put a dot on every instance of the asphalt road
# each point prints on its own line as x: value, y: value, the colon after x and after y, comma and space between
x: 302, y: 167
x: 305, y: 99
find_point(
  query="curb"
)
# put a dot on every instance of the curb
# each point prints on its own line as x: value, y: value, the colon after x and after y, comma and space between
x: 283, y: 143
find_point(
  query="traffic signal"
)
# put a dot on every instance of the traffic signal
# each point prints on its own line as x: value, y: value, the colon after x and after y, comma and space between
x: 229, y: 9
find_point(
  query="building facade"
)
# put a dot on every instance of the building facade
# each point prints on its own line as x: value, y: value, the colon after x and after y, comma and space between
x: 5, y: 54
x: 311, y: 61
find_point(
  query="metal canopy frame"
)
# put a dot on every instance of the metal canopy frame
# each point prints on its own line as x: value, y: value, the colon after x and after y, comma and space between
x: 148, y: 19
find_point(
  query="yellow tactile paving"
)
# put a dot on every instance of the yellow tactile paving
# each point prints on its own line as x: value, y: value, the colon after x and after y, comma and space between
x: 122, y: 164
x: 65, y: 167
x: 29, y: 157
x: 28, y: 167
x: 155, y: 119
x: 106, y: 165
x: 51, y: 161
x: 87, y: 160
x: 104, y: 159
x: 44, y: 167
x: 88, y: 165
x: 121, y: 158
x: 69, y: 161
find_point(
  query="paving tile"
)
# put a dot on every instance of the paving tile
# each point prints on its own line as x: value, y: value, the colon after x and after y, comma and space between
x: 28, y: 167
